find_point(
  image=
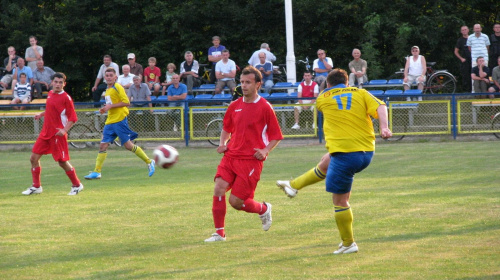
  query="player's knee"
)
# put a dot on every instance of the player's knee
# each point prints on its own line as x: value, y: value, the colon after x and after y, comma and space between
x: 236, y: 203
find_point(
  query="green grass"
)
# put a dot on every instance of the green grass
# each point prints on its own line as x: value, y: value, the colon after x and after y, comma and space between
x: 421, y: 210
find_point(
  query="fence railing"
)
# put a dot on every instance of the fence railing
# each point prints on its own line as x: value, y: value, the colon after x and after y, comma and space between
x: 453, y: 114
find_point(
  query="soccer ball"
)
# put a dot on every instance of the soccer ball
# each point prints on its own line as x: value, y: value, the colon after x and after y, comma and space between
x: 165, y: 156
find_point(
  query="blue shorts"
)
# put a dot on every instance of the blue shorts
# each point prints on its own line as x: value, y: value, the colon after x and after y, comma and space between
x: 342, y: 168
x: 119, y: 129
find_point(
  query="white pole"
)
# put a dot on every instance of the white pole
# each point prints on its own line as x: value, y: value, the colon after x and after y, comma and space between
x: 290, y: 55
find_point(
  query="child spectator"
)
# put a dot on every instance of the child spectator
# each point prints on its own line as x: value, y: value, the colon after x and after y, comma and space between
x: 22, y: 92
x: 168, y: 77
x: 152, y: 76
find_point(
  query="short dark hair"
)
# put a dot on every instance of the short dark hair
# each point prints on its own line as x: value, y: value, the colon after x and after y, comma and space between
x: 59, y: 75
x: 336, y: 77
x: 307, y: 72
x: 107, y: 56
x: 225, y: 50
x: 477, y: 59
x: 252, y: 70
x: 110, y: 69
x: 22, y: 74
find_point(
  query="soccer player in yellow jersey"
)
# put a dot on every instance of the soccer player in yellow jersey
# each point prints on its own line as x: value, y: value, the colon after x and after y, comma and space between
x: 116, y: 125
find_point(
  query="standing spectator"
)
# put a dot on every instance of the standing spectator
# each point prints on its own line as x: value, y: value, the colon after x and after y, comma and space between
x: 21, y: 68
x: 125, y: 79
x: 41, y: 79
x: 415, y: 69
x: 463, y: 53
x: 176, y: 92
x: 59, y: 116
x: 116, y: 125
x: 214, y: 56
x: 496, y: 79
x: 321, y: 66
x: 264, y: 47
x: 350, y: 140
x: 478, y: 44
x: 189, y: 72
x: 358, y: 69
x: 308, y: 88
x: 168, y: 77
x: 33, y: 53
x: 152, y: 76
x: 495, y: 45
x: 10, y: 63
x: 480, y: 76
x: 22, y: 92
x: 99, y: 88
x: 255, y: 132
x: 135, y: 68
x: 225, y: 71
x: 266, y: 69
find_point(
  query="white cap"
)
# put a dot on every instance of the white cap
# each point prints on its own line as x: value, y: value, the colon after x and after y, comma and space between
x: 130, y: 55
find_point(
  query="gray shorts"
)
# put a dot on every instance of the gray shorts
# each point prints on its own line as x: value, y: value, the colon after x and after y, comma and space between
x: 231, y: 84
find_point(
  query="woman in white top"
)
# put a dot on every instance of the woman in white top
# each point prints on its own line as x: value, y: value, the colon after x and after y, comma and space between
x: 415, y: 69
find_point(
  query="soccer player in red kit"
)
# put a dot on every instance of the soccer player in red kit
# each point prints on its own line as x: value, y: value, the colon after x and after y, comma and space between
x: 251, y: 123
x: 59, y: 117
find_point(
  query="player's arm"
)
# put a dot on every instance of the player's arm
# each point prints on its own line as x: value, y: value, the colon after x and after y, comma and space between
x: 39, y: 115
x: 116, y: 105
x: 63, y: 131
x: 261, y: 154
x: 385, y: 132
x: 224, y: 136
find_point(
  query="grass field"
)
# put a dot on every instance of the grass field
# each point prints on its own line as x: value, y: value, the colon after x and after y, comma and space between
x: 421, y: 210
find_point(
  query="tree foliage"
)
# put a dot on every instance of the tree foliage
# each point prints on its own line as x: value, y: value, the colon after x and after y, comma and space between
x: 76, y: 34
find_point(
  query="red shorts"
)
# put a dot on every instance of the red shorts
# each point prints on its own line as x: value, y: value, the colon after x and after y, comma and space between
x: 57, y: 146
x: 241, y: 174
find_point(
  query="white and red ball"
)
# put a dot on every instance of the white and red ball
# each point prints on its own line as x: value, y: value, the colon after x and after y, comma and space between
x: 165, y: 156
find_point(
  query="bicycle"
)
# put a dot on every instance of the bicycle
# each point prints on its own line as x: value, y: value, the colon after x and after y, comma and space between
x: 437, y: 81
x: 82, y: 135
x: 205, y: 75
x: 280, y: 75
x: 495, y: 124
x: 213, y: 131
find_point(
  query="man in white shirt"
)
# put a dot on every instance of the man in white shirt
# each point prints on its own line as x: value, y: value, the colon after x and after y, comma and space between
x: 98, y: 88
x: 264, y: 47
x: 125, y: 79
x: 322, y: 66
x: 225, y: 71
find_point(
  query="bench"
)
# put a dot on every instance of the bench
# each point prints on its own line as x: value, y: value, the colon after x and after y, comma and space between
x: 7, y: 93
x: 24, y: 115
x: 476, y: 106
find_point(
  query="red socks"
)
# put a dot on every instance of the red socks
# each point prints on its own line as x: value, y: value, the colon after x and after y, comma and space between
x: 35, y: 173
x: 252, y: 206
x: 72, y: 176
x: 219, y: 214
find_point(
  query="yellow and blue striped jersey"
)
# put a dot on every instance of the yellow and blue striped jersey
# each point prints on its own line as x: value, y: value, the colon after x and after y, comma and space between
x: 347, y: 123
x: 116, y: 94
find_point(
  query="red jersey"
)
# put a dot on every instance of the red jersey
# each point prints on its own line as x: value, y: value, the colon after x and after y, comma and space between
x: 58, y: 112
x: 151, y: 74
x: 308, y: 90
x: 252, y: 125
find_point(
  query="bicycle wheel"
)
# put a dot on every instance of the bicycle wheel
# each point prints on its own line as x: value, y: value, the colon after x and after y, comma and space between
x: 495, y: 125
x: 79, y: 131
x: 442, y: 82
x: 213, y: 131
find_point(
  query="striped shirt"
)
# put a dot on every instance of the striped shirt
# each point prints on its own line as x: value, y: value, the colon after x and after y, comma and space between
x: 478, y: 46
x: 22, y: 91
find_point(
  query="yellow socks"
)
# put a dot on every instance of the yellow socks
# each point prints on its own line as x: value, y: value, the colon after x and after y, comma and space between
x: 343, y: 217
x: 141, y: 154
x: 310, y: 177
x: 101, y: 156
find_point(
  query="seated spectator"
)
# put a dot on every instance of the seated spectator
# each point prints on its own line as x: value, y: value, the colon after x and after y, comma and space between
x: 177, y: 91
x: 415, y: 69
x: 168, y: 77
x: 264, y: 47
x: 189, y: 72
x: 135, y: 68
x: 139, y: 91
x: 358, y: 70
x: 322, y: 66
x: 42, y: 79
x: 266, y: 68
x: 480, y: 76
x: 22, y: 91
x: 308, y: 88
x: 496, y: 79
x: 10, y: 64
x: 225, y: 71
x: 152, y: 76
x: 21, y: 68
x: 33, y: 53
x: 99, y: 88
x: 125, y: 79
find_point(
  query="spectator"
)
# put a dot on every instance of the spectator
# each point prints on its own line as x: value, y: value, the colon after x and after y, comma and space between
x: 415, y: 69
x: 168, y: 77
x: 42, y: 79
x: 99, y: 88
x: 321, y: 66
x: 22, y: 92
x: 135, y: 68
x: 495, y: 45
x: 22, y: 69
x: 463, y: 54
x: 308, y: 88
x: 10, y: 63
x: 33, y: 53
x: 478, y: 45
x: 125, y: 79
x: 496, y: 79
x: 189, y: 72
x: 139, y: 91
x: 264, y: 47
x: 152, y: 76
x: 358, y: 69
x: 176, y: 92
x: 225, y: 71
x: 480, y: 76
x: 214, y: 56
x: 266, y: 69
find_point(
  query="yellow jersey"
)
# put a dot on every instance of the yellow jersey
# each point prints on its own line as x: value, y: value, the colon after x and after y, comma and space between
x: 116, y: 94
x: 347, y: 124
